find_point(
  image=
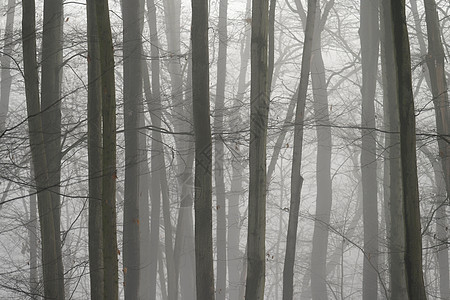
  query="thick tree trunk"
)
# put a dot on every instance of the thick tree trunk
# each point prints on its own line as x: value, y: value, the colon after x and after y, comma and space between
x: 110, y: 251
x: 132, y: 91
x: 5, y: 61
x: 296, y: 178
x: 51, y: 113
x: 369, y: 52
x: 32, y: 232
x: 39, y: 161
x: 219, y: 155
x: 203, y: 151
x: 324, y: 193
x: 259, y: 108
x: 396, y: 234
x: 95, y: 156
x: 413, y: 245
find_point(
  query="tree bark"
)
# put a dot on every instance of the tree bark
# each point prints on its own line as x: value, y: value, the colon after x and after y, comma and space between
x: 259, y: 108
x: 369, y: 54
x: 324, y: 192
x: 5, y: 61
x: 203, y: 151
x: 132, y: 91
x: 296, y: 178
x: 95, y: 156
x: 39, y: 161
x: 413, y: 245
x: 219, y: 155
x: 109, y: 171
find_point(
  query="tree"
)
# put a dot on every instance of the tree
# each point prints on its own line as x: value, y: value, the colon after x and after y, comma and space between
x: 259, y: 108
x: 39, y: 160
x: 413, y: 245
x: 296, y: 178
x: 203, y: 151
x: 109, y: 171
x: 95, y: 156
x: 396, y: 230
x: 369, y: 55
x: 219, y: 155
x: 132, y: 97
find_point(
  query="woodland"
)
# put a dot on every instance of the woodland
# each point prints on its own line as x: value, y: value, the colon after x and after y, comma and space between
x: 224, y: 149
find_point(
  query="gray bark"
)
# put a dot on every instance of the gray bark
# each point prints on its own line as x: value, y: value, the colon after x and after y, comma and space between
x: 95, y: 156
x: 369, y: 55
x: 259, y: 108
x: 109, y: 218
x: 39, y: 161
x: 132, y: 91
x: 324, y: 193
x: 219, y: 155
x: 5, y: 61
x: 296, y: 178
x: 413, y: 245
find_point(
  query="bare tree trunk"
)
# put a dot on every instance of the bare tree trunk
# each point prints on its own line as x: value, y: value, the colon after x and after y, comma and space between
x: 324, y: 193
x: 132, y: 91
x: 203, y: 151
x: 219, y: 154
x: 396, y: 234
x: 439, y: 89
x: 32, y: 232
x: 51, y: 113
x: 39, y: 161
x: 110, y: 251
x: 369, y: 52
x: 5, y: 61
x: 259, y: 97
x: 95, y: 156
x: 296, y: 178
x: 234, y: 255
x: 413, y: 246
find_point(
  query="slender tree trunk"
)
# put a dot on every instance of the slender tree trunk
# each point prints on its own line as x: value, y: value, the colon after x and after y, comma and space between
x: 413, y: 245
x: 32, y: 231
x: 132, y: 91
x: 51, y: 113
x: 234, y: 255
x: 324, y: 193
x: 219, y: 112
x: 49, y: 253
x: 439, y: 89
x: 5, y: 61
x: 110, y: 251
x: 259, y: 97
x: 95, y: 156
x: 296, y: 178
x: 396, y: 235
x: 369, y: 52
x: 203, y: 151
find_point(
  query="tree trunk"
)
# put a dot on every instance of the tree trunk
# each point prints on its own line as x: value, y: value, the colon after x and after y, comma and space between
x: 296, y: 178
x: 39, y: 161
x: 95, y: 156
x: 439, y: 89
x: 413, y: 245
x: 32, y: 231
x: 369, y: 53
x: 132, y: 91
x: 6, y: 78
x: 110, y: 251
x: 51, y: 113
x: 219, y: 155
x: 396, y: 234
x: 324, y: 193
x: 203, y: 151
x: 259, y: 108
